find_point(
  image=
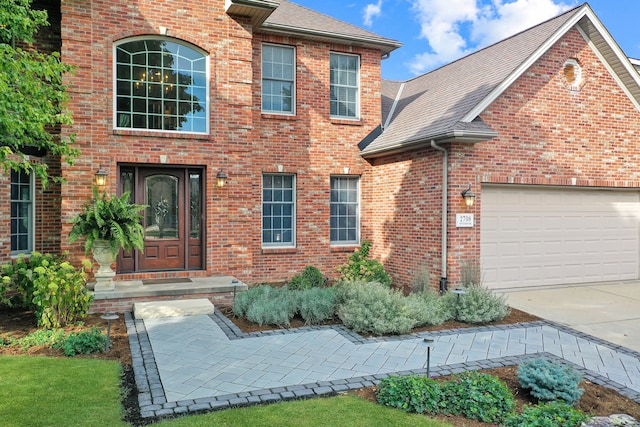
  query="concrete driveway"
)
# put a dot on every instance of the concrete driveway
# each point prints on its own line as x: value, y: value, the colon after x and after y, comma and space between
x: 610, y: 311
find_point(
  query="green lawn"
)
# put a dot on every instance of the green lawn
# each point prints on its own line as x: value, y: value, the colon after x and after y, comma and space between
x: 43, y: 391
x: 344, y: 410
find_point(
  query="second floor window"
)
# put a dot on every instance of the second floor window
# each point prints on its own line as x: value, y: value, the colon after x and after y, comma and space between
x: 344, y: 85
x: 278, y: 79
x: 160, y: 85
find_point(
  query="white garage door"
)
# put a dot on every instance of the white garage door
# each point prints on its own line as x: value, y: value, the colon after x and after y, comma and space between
x: 547, y: 236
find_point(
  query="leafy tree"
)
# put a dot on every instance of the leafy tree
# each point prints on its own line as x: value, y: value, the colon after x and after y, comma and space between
x: 33, y: 96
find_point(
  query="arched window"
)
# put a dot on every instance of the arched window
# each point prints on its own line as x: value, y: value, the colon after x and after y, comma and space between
x: 161, y: 85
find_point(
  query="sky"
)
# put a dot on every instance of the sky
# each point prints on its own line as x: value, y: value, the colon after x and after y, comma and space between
x: 436, y: 32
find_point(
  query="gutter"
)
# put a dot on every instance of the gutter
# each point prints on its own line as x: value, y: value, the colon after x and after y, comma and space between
x: 445, y: 187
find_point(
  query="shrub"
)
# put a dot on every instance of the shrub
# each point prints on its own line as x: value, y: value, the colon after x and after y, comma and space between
x: 310, y: 277
x: 16, y: 288
x: 479, y: 397
x: 477, y: 305
x: 275, y: 306
x: 375, y: 308
x: 360, y: 267
x: 316, y: 305
x: 553, y: 414
x: 549, y: 380
x: 413, y: 393
x: 60, y: 295
x: 41, y: 337
x: 85, y: 342
x: 50, y: 286
x: 427, y: 308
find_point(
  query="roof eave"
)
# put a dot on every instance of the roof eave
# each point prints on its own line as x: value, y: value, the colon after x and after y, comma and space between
x: 257, y: 10
x: 458, y: 136
x: 383, y: 44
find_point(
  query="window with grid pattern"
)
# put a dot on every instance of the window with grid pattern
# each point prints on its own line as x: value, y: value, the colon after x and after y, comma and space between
x: 278, y: 79
x: 345, y: 210
x: 278, y: 210
x: 21, y: 213
x: 161, y: 85
x: 344, y: 70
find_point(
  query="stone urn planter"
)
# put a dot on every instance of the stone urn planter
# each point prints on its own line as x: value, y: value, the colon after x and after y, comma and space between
x: 104, y: 256
x: 108, y: 224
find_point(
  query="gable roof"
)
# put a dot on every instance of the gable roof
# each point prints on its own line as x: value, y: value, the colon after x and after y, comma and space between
x: 445, y: 104
x: 290, y: 19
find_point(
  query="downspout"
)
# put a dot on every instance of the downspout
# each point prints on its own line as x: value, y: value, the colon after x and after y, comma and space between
x: 445, y: 162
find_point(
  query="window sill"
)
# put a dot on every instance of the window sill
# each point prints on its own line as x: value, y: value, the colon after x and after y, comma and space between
x: 345, y: 248
x: 348, y: 122
x: 275, y: 116
x: 272, y: 251
x: 160, y: 134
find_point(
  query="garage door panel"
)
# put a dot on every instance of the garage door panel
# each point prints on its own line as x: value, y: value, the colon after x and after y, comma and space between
x: 533, y: 236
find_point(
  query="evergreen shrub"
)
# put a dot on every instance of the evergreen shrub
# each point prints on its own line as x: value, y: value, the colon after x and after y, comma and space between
x: 549, y: 380
x: 360, y: 267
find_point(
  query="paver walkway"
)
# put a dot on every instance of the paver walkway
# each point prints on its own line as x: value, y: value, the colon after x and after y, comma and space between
x: 203, y: 362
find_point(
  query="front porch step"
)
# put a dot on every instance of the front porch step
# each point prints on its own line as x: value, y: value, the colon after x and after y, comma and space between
x: 172, y: 308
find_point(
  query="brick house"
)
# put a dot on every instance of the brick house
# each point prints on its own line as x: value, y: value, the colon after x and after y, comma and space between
x: 319, y: 153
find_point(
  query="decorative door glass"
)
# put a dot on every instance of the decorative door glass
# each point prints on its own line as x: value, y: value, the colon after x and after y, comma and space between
x: 161, y: 214
x: 194, y: 206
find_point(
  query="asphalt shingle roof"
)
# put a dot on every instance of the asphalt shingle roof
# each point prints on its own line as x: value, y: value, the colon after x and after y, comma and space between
x: 291, y: 18
x: 433, y: 105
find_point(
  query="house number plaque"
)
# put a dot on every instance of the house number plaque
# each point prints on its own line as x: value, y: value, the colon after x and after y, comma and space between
x: 464, y: 220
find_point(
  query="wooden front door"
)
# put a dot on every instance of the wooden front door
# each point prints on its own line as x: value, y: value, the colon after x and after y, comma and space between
x: 172, y: 218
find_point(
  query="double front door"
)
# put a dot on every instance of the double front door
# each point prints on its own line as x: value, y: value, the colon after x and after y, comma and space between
x: 172, y: 219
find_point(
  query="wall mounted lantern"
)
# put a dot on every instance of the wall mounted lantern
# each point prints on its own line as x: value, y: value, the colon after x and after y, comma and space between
x: 100, y: 178
x: 221, y: 179
x: 468, y: 196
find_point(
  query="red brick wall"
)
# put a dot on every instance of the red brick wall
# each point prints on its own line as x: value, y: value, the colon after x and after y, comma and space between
x: 548, y: 135
x: 242, y: 141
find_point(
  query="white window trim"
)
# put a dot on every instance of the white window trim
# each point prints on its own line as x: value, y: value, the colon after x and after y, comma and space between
x: 32, y: 220
x: 359, y: 88
x: 114, y: 83
x: 294, y: 81
x: 357, y: 241
x: 283, y: 245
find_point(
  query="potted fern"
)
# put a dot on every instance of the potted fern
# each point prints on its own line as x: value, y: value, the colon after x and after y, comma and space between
x: 108, y: 224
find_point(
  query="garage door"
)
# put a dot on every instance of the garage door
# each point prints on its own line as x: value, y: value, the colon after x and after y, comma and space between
x: 548, y: 236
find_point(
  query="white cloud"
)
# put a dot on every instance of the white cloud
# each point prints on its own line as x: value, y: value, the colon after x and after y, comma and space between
x: 371, y: 11
x: 455, y: 28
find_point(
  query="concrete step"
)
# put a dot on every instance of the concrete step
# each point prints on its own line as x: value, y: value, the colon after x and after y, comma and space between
x: 172, y: 308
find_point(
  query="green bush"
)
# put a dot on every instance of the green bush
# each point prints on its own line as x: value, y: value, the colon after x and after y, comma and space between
x: 360, y: 267
x: 413, y: 393
x: 375, y: 308
x: 553, y: 414
x: 85, y: 342
x: 479, y: 397
x: 316, y: 305
x: 41, y: 337
x: 50, y: 286
x: 549, y: 380
x: 275, y: 306
x: 477, y: 305
x: 16, y: 288
x: 310, y: 277
x: 60, y: 295
x: 427, y: 308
